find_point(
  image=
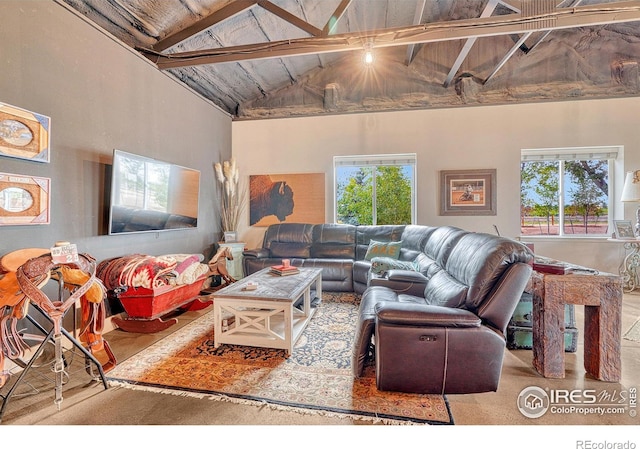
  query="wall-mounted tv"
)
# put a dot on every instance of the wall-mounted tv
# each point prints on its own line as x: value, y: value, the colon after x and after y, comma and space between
x: 148, y: 195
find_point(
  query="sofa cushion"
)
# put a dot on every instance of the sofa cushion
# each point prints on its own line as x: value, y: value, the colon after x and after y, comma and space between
x: 379, y: 233
x: 381, y: 265
x: 338, y: 271
x: 383, y: 249
x: 441, y: 241
x: 492, y: 256
x: 444, y: 290
x: 334, y: 233
x: 290, y: 250
x: 414, y: 238
x: 333, y: 241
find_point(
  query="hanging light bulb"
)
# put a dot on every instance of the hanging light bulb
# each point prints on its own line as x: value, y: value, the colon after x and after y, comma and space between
x: 368, y: 53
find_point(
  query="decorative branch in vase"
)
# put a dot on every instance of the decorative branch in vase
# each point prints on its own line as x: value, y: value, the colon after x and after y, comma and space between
x: 232, y: 197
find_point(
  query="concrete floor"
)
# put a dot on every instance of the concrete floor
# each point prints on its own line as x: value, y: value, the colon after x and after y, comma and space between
x: 86, y: 402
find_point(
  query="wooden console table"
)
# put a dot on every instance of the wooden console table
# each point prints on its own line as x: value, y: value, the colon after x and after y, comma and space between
x: 601, y: 296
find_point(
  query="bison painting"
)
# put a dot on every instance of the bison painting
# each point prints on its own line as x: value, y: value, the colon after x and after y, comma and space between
x: 267, y: 197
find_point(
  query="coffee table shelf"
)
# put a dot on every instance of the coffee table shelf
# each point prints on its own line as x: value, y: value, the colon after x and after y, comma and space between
x: 267, y: 316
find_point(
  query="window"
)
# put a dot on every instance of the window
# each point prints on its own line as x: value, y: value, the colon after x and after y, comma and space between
x: 567, y: 191
x: 375, y: 190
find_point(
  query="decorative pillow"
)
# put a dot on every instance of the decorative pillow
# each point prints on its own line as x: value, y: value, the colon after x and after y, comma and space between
x: 383, y: 249
x: 380, y: 265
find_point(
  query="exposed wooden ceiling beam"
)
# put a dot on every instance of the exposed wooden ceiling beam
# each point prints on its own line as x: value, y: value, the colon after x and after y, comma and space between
x: 332, y: 23
x: 417, y: 19
x: 544, y: 36
x: 486, y: 12
x: 564, y: 18
x: 224, y: 13
x: 292, y: 19
x: 515, y: 5
x: 506, y: 57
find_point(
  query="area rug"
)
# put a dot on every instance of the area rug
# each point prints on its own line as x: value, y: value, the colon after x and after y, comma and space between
x: 315, y: 378
x: 633, y: 333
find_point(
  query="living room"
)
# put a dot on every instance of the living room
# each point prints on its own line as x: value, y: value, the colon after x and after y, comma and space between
x: 103, y: 96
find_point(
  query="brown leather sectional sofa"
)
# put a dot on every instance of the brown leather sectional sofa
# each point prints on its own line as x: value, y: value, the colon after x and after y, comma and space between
x: 438, y: 328
x: 338, y: 249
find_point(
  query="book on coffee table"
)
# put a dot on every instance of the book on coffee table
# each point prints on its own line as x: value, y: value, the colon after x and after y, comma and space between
x: 281, y: 270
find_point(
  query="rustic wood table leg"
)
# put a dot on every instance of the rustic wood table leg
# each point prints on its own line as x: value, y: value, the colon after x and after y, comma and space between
x: 601, y: 296
x: 602, y: 323
x: 548, y: 329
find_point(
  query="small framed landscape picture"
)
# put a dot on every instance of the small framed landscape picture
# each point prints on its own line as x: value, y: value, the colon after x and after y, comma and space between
x: 230, y: 237
x: 624, y: 229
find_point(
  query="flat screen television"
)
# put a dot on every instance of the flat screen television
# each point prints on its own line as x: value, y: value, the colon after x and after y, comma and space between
x: 148, y: 195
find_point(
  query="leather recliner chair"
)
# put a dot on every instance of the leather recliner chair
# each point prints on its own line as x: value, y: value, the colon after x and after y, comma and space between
x: 451, y: 339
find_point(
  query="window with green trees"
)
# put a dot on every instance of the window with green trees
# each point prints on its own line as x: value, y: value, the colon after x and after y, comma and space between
x: 375, y: 190
x: 566, y: 191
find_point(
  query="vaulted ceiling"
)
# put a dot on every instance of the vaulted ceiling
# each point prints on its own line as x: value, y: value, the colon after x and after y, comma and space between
x: 284, y: 58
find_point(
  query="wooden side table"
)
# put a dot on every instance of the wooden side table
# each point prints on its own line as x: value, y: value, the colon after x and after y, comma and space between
x: 601, y: 296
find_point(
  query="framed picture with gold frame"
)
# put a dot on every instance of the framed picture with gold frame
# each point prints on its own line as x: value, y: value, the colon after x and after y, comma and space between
x: 24, y: 134
x: 24, y: 200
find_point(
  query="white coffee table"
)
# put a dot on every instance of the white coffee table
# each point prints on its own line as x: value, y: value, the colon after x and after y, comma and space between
x: 266, y: 317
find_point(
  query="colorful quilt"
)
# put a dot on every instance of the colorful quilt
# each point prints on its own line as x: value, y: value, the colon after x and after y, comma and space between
x: 140, y: 270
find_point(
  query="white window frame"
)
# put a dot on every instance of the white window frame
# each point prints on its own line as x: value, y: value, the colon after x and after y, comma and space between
x: 376, y: 160
x: 614, y: 154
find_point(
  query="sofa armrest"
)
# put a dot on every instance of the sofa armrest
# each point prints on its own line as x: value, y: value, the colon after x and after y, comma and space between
x: 258, y: 253
x: 401, y: 281
x: 412, y: 314
x: 406, y: 276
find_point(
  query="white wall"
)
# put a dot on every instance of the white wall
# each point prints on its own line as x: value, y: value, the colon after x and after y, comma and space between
x: 445, y: 139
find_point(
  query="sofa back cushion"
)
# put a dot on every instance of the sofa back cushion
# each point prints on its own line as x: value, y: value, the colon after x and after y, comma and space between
x: 441, y: 241
x: 289, y: 240
x: 290, y: 250
x: 479, y: 261
x: 414, y: 238
x: 445, y: 290
x: 336, y: 241
x: 426, y: 265
x: 381, y: 233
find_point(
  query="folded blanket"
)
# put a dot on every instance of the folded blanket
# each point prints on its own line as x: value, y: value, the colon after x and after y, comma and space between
x: 189, y: 268
x: 140, y: 270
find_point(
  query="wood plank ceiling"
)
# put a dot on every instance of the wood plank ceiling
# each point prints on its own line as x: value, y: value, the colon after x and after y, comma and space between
x: 283, y: 58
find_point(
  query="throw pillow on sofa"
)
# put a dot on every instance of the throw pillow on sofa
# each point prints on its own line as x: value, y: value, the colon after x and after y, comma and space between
x: 383, y: 249
x: 380, y: 265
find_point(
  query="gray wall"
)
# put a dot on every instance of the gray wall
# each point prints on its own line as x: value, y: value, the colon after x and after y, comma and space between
x: 101, y: 96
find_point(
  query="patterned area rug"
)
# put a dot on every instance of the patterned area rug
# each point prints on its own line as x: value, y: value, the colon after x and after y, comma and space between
x: 315, y: 378
x: 633, y: 333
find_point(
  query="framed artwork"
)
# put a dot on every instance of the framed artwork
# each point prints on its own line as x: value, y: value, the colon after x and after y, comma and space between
x: 468, y: 192
x: 24, y: 134
x: 24, y: 200
x: 624, y: 229
x: 291, y: 198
